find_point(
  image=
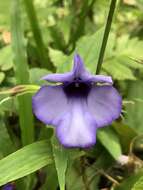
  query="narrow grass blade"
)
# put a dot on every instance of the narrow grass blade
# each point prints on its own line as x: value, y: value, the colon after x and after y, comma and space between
x: 106, y: 34
x: 25, y: 161
x: 61, y: 159
x: 51, y: 180
x: 6, y: 145
x: 21, y: 73
x: 42, y: 53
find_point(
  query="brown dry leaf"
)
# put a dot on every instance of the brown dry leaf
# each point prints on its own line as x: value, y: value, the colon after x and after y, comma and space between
x: 129, y: 2
x: 6, y: 36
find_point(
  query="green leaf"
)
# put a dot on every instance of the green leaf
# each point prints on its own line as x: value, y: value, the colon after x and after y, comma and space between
x: 129, y: 182
x: 62, y: 62
x: 51, y: 179
x: 138, y: 185
x: 36, y: 74
x: 125, y: 133
x: 61, y: 159
x: 57, y: 57
x: 88, y: 52
x: 6, y: 145
x: 73, y: 173
x: 122, y: 56
x: 110, y: 141
x: 2, y: 76
x: 25, y: 161
x: 8, y: 104
x: 4, y: 14
x: 21, y: 73
x: 89, y: 47
x: 132, y: 47
x: 130, y: 62
x: 118, y: 70
x: 135, y: 111
x: 118, y: 62
x: 6, y: 58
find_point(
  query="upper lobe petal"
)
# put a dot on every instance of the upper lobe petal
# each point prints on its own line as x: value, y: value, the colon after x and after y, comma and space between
x: 78, y: 68
x: 80, y: 71
x: 104, y: 104
x: 99, y: 79
x: 66, y: 77
x: 49, y: 103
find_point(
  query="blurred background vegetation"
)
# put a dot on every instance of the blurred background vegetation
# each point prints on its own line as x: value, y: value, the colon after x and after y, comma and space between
x: 38, y: 37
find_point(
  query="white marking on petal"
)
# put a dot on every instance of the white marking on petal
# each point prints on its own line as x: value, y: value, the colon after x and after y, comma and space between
x: 77, y: 129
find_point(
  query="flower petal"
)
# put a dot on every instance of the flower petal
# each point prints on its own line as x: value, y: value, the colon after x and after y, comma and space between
x: 100, y: 79
x: 77, y: 128
x: 8, y: 187
x: 67, y: 77
x: 49, y: 103
x: 78, y: 68
x: 104, y: 104
x: 79, y: 71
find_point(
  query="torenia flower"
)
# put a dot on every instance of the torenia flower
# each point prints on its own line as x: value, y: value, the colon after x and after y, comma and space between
x: 78, y: 106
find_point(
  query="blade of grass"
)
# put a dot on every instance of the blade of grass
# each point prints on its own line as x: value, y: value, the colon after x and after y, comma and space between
x: 6, y: 144
x: 60, y: 155
x: 42, y: 53
x: 106, y: 35
x: 21, y: 73
x: 25, y: 161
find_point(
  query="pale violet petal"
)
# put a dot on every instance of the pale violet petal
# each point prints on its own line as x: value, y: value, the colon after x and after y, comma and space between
x: 66, y: 77
x: 49, y: 103
x: 77, y: 128
x: 78, y: 68
x: 80, y: 71
x: 104, y: 104
x: 100, y: 79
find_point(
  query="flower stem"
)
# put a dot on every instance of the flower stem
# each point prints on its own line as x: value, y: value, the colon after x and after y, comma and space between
x: 106, y: 34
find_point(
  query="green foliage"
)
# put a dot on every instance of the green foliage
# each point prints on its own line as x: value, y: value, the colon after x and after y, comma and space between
x: 21, y: 74
x: 110, y: 140
x: 44, y: 60
x: 5, y: 61
x: 43, y: 38
x: 138, y: 185
x: 25, y: 161
x: 126, y: 135
x: 131, y: 182
x: 60, y: 155
x: 5, y: 14
x: 6, y: 58
x: 119, y: 60
x: 134, y: 110
x: 124, y: 57
x: 51, y: 179
x: 6, y: 144
x: 36, y: 74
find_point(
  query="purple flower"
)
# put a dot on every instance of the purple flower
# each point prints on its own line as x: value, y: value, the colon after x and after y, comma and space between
x: 78, y: 106
x: 8, y: 187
